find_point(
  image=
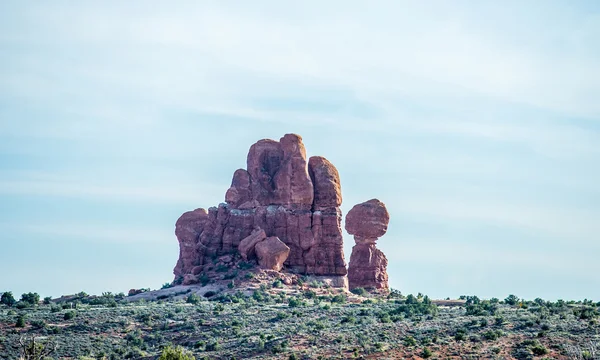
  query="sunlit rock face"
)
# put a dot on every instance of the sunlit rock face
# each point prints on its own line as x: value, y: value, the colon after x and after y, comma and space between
x: 280, y: 194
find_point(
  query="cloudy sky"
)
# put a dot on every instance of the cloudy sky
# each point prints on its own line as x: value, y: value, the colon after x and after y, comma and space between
x: 476, y: 122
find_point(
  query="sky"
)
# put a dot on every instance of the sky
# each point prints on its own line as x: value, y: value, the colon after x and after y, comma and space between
x: 476, y: 122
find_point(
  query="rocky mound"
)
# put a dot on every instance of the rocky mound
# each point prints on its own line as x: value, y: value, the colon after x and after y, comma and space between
x: 282, y: 211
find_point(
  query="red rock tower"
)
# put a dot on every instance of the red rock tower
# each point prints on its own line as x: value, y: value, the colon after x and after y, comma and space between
x: 280, y: 194
x: 368, y: 265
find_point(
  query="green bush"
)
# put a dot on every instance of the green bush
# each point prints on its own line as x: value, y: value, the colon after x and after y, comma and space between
x: 410, y: 341
x: 213, y: 346
x: 193, y: 299
x: 339, y: 299
x: 31, y: 298
x: 38, y: 324
x: 176, y: 353
x: 47, y: 300
x: 360, y: 291
x: 8, y: 299
x: 511, y: 300
x: 69, y: 315
x: 22, y: 305
x: 20, y: 321
x: 426, y: 353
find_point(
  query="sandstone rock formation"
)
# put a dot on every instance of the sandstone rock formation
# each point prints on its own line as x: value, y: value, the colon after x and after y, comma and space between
x: 279, y: 193
x: 246, y: 247
x: 271, y: 253
x: 368, y: 265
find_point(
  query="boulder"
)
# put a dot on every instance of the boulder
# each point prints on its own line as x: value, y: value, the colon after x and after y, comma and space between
x: 246, y: 247
x: 272, y: 253
x: 368, y: 220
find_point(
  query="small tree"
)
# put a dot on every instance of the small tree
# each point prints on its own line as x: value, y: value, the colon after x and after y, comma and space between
x: 36, y: 349
x: 20, y: 321
x: 512, y: 300
x: 8, y: 299
x: 193, y: 299
x: 31, y: 298
x: 47, y: 300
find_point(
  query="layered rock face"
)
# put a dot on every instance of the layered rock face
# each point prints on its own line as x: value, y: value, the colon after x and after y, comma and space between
x: 368, y: 265
x: 281, y: 195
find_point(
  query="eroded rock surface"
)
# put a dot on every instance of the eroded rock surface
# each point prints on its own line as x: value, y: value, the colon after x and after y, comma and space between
x: 368, y: 265
x: 281, y: 193
x: 272, y: 253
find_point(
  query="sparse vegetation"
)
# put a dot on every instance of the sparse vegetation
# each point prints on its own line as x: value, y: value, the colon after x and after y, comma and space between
x: 313, y: 321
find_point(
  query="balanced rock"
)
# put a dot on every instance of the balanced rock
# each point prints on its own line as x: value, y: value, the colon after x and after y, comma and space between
x: 368, y: 265
x: 272, y: 253
x: 280, y: 192
x: 368, y: 220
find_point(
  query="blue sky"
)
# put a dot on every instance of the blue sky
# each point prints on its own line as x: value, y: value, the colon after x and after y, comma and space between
x: 477, y: 123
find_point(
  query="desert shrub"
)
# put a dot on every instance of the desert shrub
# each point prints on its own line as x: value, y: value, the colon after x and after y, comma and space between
x: 360, y: 291
x: 231, y: 275
x: 282, y: 315
x: 193, y: 299
x: 204, y: 279
x: 249, y: 275
x: 209, y: 294
x: 413, y: 307
x: 585, y: 313
x: 481, y: 308
x: 244, y: 265
x: 38, y: 324
x: 134, y: 338
x: 166, y: 285
x: 30, y: 298
x: 410, y: 341
x: 55, y: 308
x: 348, y: 319
x: 278, y: 284
x: 294, y: 302
x: 410, y: 299
x: 395, y: 294
x: 69, y: 315
x: 22, y: 305
x: 8, y: 299
x: 539, y: 350
x: 492, y: 334
x: 231, y: 284
x: 309, y: 294
x: 511, y: 300
x: 339, y: 299
x: 213, y: 346
x: 426, y: 353
x: 222, y: 268
x: 460, y: 335
x: 20, y: 321
x: 47, y: 300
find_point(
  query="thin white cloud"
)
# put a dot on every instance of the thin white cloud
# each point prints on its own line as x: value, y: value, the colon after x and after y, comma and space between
x: 83, y: 232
